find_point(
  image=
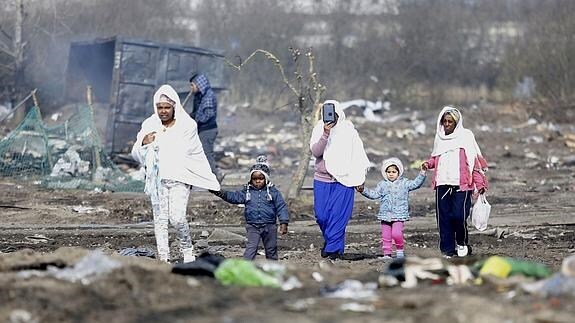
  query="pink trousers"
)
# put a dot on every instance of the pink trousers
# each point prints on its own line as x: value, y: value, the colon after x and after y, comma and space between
x: 391, y: 231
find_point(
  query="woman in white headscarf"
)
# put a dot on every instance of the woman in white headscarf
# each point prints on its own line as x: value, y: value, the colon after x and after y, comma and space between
x: 340, y: 165
x: 459, y: 170
x: 170, y: 150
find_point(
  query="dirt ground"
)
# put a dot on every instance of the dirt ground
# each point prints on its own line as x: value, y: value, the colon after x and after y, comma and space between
x: 531, y: 191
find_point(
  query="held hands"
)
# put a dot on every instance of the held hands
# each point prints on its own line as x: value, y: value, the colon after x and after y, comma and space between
x: 149, y: 138
x: 359, y: 188
x: 424, y: 166
x: 283, y: 229
x: 216, y: 193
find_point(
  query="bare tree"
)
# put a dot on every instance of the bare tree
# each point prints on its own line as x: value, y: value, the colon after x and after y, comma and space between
x: 308, y: 91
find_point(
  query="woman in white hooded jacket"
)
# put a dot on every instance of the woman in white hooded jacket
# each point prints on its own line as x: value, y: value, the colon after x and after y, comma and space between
x: 171, y: 153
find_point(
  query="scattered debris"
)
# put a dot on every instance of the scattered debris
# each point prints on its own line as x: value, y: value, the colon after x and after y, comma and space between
x: 94, y: 264
x: 138, y: 252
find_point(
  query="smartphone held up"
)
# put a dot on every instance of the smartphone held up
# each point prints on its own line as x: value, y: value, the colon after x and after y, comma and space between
x: 328, y: 113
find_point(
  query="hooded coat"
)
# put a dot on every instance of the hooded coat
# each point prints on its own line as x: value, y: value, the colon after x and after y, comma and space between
x: 176, y: 153
x: 394, y: 196
x: 205, y: 109
x: 341, y: 153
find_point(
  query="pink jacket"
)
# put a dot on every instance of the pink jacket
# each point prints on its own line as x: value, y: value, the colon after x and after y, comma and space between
x: 467, y: 182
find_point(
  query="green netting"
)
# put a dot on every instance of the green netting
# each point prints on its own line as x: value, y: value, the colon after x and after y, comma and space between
x: 66, y: 156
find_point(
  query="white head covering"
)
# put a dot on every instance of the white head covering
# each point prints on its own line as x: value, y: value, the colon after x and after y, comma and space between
x: 184, y: 158
x: 344, y: 156
x: 391, y: 161
x: 459, y: 138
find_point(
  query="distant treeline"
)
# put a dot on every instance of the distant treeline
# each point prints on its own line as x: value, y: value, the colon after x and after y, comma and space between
x: 422, y: 52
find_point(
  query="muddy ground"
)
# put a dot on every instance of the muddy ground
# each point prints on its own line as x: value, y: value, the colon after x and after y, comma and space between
x: 531, y: 192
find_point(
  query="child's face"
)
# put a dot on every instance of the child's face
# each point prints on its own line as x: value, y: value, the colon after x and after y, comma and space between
x: 392, y: 173
x: 258, y: 180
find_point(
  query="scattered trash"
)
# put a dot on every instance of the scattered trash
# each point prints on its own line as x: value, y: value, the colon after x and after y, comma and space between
x: 351, y: 289
x: 70, y: 164
x: 291, y: 283
x: 242, y: 272
x: 138, y: 252
x: 224, y: 235
x: 459, y: 275
x: 192, y: 282
x: 38, y: 238
x: 204, y: 234
x: 317, y: 277
x: 560, y: 284
x: 300, y: 305
x: 22, y: 316
x: 568, y: 266
x: 89, y: 209
x: 205, y: 265
x: 357, y: 307
x: 94, y: 264
x: 407, y: 271
x: 499, y: 233
x: 496, y: 266
x: 502, y: 267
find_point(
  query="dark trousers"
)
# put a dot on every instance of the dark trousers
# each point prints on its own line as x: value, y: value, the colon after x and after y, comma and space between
x: 452, y: 210
x: 208, y: 139
x: 268, y: 233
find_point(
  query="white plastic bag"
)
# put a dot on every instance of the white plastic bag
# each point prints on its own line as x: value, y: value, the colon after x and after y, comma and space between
x: 480, y: 213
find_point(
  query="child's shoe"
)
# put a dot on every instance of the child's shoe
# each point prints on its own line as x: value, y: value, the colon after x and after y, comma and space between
x: 386, y: 257
x: 399, y: 254
x: 462, y: 251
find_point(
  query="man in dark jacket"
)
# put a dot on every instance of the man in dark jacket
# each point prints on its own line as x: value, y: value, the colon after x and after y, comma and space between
x: 205, y: 113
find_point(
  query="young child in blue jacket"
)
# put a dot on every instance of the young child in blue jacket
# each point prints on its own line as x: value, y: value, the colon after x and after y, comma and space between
x: 393, y: 193
x: 264, y: 205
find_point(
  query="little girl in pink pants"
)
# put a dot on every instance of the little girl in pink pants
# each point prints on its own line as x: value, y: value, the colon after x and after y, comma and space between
x: 393, y: 194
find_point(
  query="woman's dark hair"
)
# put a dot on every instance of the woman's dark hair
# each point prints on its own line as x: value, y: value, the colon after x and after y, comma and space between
x: 193, y: 77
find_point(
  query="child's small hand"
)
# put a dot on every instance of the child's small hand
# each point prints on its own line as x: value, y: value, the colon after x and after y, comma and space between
x: 359, y: 188
x: 283, y: 229
x: 424, y: 166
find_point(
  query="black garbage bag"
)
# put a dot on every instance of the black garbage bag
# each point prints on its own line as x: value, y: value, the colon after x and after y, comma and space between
x: 396, y: 269
x: 204, y: 265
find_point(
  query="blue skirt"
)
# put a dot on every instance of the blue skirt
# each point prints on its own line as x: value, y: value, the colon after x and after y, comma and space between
x: 333, y: 206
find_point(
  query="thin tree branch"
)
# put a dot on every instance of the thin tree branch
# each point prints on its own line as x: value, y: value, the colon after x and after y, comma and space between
x: 271, y: 57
